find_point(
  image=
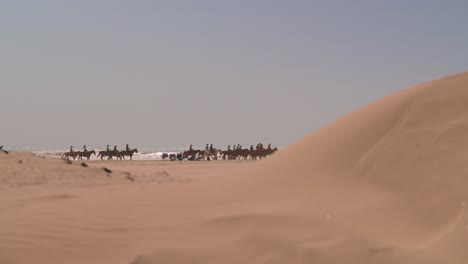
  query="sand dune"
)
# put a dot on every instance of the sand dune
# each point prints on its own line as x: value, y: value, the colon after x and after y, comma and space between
x: 384, y: 184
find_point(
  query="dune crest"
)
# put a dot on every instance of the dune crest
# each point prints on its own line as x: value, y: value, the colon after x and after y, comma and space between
x: 384, y: 184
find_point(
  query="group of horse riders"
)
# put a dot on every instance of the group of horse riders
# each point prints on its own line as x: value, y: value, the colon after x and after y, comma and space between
x: 127, y: 148
x: 108, y: 152
x: 235, y: 147
x: 259, y: 152
x: 258, y: 147
x: 237, y: 152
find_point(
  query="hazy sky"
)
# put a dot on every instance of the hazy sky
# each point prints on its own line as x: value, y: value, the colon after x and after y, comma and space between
x: 171, y: 73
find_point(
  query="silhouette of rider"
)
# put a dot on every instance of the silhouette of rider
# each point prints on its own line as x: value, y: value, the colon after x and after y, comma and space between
x: 211, y: 148
x: 108, y: 148
x: 269, y: 146
x: 251, y: 148
x: 115, y: 148
x: 84, y: 148
x: 229, y: 148
x: 239, y: 146
x: 234, y: 147
x: 71, y: 149
x: 127, y: 148
x: 190, y: 148
x: 207, y: 148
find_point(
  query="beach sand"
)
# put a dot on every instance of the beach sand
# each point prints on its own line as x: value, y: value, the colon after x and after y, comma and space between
x: 385, y: 184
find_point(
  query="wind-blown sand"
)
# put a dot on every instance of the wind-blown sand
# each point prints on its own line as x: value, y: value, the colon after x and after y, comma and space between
x: 385, y: 184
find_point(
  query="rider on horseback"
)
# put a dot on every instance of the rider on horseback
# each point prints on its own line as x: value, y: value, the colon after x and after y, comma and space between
x: 190, y: 148
x: 269, y: 146
x: 229, y: 148
x: 108, y: 148
x: 207, y: 148
x: 115, y: 148
x: 127, y: 148
x: 211, y: 148
x: 251, y: 148
x: 84, y: 149
x: 71, y: 149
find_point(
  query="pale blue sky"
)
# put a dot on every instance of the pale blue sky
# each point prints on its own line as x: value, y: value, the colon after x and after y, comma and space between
x: 171, y: 73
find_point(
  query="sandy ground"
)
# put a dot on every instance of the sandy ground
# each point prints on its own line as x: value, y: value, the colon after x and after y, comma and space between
x: 384, y: 184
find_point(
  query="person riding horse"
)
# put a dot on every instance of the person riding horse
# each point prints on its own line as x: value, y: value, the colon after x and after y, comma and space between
x: 211, y: 148
x: 190, y: 148
x: 229, y: 148
x: 84, y: 149
x: 107, y: 148
x: 71, y: 149
x: 127, y: 148
x: 115, y: 148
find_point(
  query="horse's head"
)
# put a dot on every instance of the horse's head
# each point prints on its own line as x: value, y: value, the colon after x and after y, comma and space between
x: 94, y: 152
x: 135, y: 150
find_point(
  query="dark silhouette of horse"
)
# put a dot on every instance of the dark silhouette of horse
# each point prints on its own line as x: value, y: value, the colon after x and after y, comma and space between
x: 69, y: 154
x: 86, y: 154
x: 127, y: 153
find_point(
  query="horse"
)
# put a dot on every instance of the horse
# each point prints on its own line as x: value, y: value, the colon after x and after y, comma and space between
x: 103, y: 153
x: 86, y: 154
x: 225, y: 154
x: 127, y: 153
x: 114, y: 153
x: 237, y: 153
x: 69, y: 154
x: 109, y: 154
x: 263, y: 153
x: 208, y: 154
